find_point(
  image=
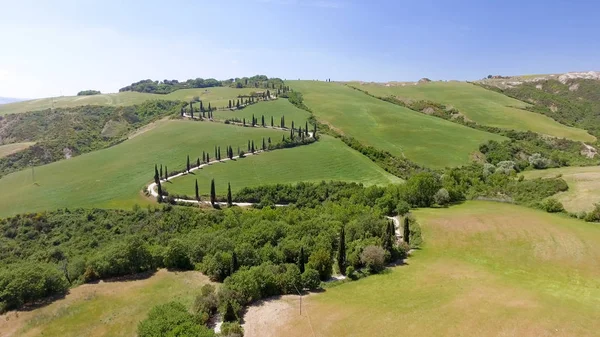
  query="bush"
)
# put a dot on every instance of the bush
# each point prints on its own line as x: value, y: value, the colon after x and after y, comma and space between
x: 350, y: 272
x: 552, y: 205
x: 594, y: 215
x: 537, y: 161
x: 229, y: 329
x: 206, y: 303
x: 442, y: 197
x: 321, y: 261
x: 402, y: 208
x: 373, y: 257
x: 176, y: 256
x: 311, y: 279
x: 25, y: 283
x: 171, y: 319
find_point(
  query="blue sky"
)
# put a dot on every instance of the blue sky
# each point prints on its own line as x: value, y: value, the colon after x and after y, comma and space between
x: 60, y: 47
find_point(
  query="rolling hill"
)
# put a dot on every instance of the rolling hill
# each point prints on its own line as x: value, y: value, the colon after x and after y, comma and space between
x: 482, y: 106
x: 217, y: 96
x: 427, y: 140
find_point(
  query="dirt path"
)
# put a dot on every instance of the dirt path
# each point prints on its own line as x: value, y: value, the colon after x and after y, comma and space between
x: 268, y: 317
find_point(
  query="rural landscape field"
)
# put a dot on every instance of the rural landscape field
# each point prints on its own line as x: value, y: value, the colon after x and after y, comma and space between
x: 299, y: 168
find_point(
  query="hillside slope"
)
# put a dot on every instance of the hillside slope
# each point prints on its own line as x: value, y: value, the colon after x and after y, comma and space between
x: 427, y: 140
x: 482, y: 106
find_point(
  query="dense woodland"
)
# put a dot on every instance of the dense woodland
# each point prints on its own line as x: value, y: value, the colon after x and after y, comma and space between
x: 88, y: 93
x: 168, y: 86
x: 63, y: 133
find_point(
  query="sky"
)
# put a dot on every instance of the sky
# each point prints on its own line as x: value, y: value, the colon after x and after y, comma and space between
x: 59, y: 47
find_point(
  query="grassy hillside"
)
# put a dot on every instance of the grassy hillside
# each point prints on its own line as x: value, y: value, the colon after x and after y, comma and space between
x: 584, y: 186
x: 487, y: 269
x: 427, y: 140
x: 9, y: 149
x: 104, y: 309
x: 115, y: 176
x: 482, y: 106
x: 217, y: 96
x: 327, y: 159
x: 276, y: 108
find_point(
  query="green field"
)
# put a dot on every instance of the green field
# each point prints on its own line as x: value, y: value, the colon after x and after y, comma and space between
x: 9, y: 149
x: 427, y: 140
x: 115, y: 177
x: 217, y: 96
x: 487, y: 269
x: 275, y: 108
x: 104, y: 309
x: 482, y: 106
x: 584, y: 186
x: 327, y: 159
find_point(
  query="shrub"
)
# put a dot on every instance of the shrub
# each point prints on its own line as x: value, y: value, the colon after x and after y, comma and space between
x: 505, y: 167
x: 402, y: 208
x: 206, y: 303
x: 594, y: 215
x: 321, y: 261
x: 373, y: 257
x: 350, y: 272
x: 311, y: 279
x: 552, y: 205
x: 442, y: 197
x: 537, y: 161
x: 171, y: 319
x: 25, y: 283
x: 229, y: 329
x: 176, y: 256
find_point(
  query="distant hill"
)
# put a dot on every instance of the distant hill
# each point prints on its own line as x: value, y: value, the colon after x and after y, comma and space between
x: 5, y: 100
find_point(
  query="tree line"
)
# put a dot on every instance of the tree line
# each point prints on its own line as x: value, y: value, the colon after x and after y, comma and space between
x: 168, y: 86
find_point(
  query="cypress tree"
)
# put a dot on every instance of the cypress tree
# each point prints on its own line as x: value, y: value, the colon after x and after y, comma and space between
x: 248, y: 145
x: 234, y: 263
x: 166, y: 174
x: 159, y: 189
x: 272, y: 121
x: 244, y: 121
x: 292, y: 134
x: 292, y: 124
x: 201, y: 107
x: 209, y: 108
x: 263, y: 120
x: 269, y: 140
x: 253, y: 120
x: 216, y: 154
x: 301, y: 260
x: 161, y: 171
x: 229, y: 201
x: 306, y: 128
x: 229, y: 104
x: 341, y: 259
x: 213, y: 193
x: 203, y: 157
x: 238, y: 104
x: 188, y: 163
x: 219, y: 153
x: 252, y: 148
x: 230, y: 315
x: 197, y: 192
x: 198, y: 162
x: 156, y: 177
x: 283, y: 138
x: 264, y: 145
x: 406, y: 234
x: 191, y: 110
x: 315, y: 130
x: 387, y: 242
x: 283, y: 121
x: 207, y: 158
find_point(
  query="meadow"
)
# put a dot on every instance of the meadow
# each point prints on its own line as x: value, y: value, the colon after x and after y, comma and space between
x: 427, y: 140
x: 8, y: 149
x: 485, y: 269
x: 327, y: 159
x: 217, y: 96
x: 482, y: 106
x: 584, y: 186
x: 111, y: 308
x: 276, y: 109
x: 114, y: 177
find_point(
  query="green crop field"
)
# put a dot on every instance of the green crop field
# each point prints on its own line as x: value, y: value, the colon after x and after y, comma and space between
x: 427, y: 140
x: 104, y: 309
x: 276, y: 109
x: 8, y: 149
x: 487, y: 269
x: 114, y: 177
x: 217, y: 96
x: 584, y: 186
x: 482, y: 106
x: 327, y: 159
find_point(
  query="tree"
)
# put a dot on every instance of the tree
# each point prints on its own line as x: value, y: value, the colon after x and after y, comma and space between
x: 229, y: 104
x: 320, y: 260
x: 244, y: 121
x: 197, y: 162
x: 188, y: 163
x: 264, y: 145
x: 238, y: 104
x: 161, y: 171
x: 229, y: 201
x: 292, y: 134
x: 388, y: 237
x: 197, y: 191
x: 234, y: 263
x: 201, y: 108
x: 341, y: 259
x: 373, y: 257
x: 292, y: 125
x: 272, y: 121
x: 216, y: 153
x: 166, y: 173
x: 253, y: 120
x: 315, y: 130
x: 422, y: 187
x: 219, y: 153
x: 248, y: 145
x: 213, y: 193
x: 301, y: 260
x: 442, y: 197
x: 191, y: 110
x: 207, y: 158
x: 283, y: 121
x: 159, y: 190
x: 406, y: 230
x: 209, y: 108
x: 203, y: 157
x: 263, y: 120
x: 252, y: 147
x: 306, y: 129
x: 156, y: 177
